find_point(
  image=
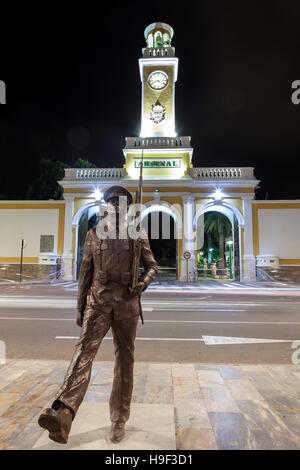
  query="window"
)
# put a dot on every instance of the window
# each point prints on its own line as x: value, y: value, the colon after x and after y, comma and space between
x: 166, y: 40
x: 150, y: 40
x: 158, y: 39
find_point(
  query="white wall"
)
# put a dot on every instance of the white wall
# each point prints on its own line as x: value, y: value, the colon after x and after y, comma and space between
x: 29, y: 224
x: 279, y: 232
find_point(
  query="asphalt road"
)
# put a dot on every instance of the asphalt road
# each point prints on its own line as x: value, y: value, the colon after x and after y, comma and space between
x: 38, y: 322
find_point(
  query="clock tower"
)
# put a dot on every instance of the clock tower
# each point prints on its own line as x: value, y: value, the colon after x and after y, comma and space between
x: 166, y: 155
x: 158, y: 71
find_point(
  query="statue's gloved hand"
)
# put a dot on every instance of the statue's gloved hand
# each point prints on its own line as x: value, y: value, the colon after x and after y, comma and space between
x: 137, y: 290
x: 79, y: 319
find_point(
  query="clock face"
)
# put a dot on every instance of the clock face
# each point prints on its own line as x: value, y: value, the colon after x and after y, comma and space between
x: 158, y: 80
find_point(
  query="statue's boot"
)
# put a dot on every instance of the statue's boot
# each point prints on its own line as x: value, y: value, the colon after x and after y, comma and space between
x: 117, y: 432
x: 57, y: 422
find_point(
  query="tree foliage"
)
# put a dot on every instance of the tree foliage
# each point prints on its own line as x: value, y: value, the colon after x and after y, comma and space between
x: 46, y: 186
x: 82, y: 163
x: 218, y: 228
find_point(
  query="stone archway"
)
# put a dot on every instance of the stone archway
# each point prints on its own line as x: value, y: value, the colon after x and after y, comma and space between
x: 237, y: 223
x: 160, y: 221
x: 81, y: 224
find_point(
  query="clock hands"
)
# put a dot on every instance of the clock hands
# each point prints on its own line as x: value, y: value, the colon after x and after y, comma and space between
x: 158, y: 80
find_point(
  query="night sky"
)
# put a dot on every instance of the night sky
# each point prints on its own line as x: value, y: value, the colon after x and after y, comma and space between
x: 73, y: 86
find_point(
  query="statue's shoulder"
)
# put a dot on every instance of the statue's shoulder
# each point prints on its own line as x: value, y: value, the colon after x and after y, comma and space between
x: 92, y: 234
x: 92, y: 231
x: 143, y: 234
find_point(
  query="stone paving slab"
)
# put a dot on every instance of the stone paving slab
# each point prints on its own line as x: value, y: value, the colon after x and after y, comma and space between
x: 174, y: 406
x: 90, y: 429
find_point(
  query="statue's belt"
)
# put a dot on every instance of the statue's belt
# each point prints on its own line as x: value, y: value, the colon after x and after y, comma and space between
x: 105, y: 276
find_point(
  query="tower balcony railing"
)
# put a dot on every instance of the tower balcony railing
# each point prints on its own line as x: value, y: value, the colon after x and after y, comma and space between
x: 157, y: 142
x: 222, y: 173
x: 94, y: 174
x: 159, y: 51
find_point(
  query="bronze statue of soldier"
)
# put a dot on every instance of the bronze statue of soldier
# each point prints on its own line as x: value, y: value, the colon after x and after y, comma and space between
x: 106, y: 299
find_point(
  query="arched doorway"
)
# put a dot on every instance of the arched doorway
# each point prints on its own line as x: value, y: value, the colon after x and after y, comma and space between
x: 219, y: 242
x: 216, y: 258
x: 161, y: 227
x: 161, y: 233
x: 88, y: 218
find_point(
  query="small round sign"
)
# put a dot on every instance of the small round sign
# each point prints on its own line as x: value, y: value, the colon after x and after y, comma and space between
x: 187, y: 255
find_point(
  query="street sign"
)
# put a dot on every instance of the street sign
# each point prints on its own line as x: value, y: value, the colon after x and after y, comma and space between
x: 187, y: 255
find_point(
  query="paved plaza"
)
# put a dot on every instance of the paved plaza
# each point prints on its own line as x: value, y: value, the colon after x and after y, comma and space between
x: 174, y: 406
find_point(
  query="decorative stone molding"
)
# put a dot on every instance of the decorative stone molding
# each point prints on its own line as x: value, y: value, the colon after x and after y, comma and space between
x: 222, y: 173
x: 93, y: 174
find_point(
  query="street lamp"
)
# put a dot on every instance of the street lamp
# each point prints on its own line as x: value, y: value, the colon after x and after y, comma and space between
x: 218, y: 194
x: 97, y: 195
x: 210, y: 252
x: 230, y: 243
x: 199, y: 256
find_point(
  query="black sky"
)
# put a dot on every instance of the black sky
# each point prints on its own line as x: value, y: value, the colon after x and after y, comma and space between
x: 73, y: 86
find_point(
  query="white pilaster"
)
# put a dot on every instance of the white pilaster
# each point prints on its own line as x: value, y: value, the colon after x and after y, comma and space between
x: 249, y: 258
x: 188, y: 236
x: 76, y: 226
x: 67, y: 256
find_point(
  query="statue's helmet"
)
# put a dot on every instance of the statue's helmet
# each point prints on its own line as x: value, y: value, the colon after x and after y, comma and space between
x: 117, y: 191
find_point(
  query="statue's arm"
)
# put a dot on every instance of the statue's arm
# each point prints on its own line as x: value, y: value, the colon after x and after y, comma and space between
x: 149, y: 263
x: 86, y: 274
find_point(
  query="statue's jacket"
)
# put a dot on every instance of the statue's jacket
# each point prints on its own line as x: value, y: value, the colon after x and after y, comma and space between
x: 106, y: 273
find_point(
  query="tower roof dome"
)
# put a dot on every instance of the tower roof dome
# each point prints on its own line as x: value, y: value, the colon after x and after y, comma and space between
x: 159, y: 26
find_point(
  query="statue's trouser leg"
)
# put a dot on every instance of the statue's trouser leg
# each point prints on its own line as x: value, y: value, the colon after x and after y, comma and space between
x: 124, y: 332
x: 95, y: 326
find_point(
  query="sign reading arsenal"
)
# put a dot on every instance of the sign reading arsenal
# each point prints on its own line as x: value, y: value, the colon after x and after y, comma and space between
x: 158, y: 163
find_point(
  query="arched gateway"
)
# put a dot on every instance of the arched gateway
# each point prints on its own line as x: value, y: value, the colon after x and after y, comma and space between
x: 170, y: 180
x: 232, y: 260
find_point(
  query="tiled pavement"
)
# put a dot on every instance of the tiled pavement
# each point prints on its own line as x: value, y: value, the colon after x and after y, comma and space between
x: 182, y: 406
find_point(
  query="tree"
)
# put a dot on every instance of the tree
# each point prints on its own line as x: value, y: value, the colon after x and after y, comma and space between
x: 46, y: 186
x: 81, y: 163
x: 218, y: 224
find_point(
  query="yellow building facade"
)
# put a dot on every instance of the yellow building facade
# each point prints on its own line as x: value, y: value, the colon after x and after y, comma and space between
x: 261, y: 233
x: 172, y: 185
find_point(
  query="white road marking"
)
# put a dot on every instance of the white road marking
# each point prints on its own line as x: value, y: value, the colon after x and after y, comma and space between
x: 189, y: 309
x: 208, y: 340
x: 224, y: 288
x: 229, y: 322
x: 226, y: 304
x: 37, y: 303
x: 40, y: 300
x: 212, y: 340
x: 199, y: 302
x: 14, y: 302
x: 167, y: 321
x: 140, y: 339
x: 36, y: 318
